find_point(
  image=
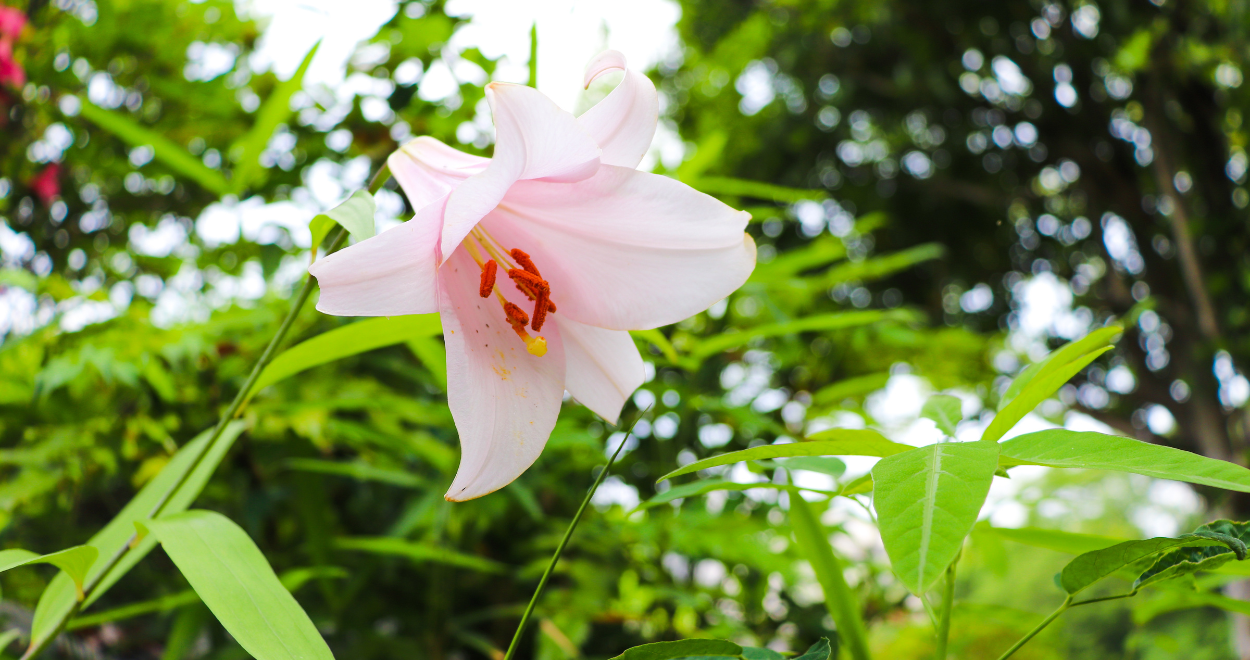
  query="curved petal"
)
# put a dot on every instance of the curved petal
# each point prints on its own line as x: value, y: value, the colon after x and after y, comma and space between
x: 534, y: 139
x: 428, y: 170
x: 504, y: 400
x: 627, y: 250
x: 390, y: 274
x: 602, y: 367
x: 623, y: 123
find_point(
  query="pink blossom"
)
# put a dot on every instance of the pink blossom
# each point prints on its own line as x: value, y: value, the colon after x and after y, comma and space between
x: 46, y: 184
x: 12, y: 20
x: 539, y: 261
x: 11, y: 23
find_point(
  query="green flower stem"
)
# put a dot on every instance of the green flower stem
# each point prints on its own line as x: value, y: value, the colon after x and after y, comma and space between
x: 944, y: 615
x: 568, y: 533
x: 236, y: 406
x: 1067, y: 604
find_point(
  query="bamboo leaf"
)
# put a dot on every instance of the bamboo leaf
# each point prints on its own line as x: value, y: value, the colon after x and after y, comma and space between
x: 927, y: 501
x: 823, y: 322
x: 814, y: 543
x: 720, y: 185
x: 75, y: 561
x: 1038, y: 389
x: 274, y: 111
x: 419, y: 552
x: 358, y: 470
x: 1059, y: 358
x: 232, y: 577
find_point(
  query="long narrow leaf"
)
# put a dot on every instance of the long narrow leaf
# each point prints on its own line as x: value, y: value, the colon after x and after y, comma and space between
x: 420, y: 553
x: 1038, y: 390
x: 813, y: 542
x: 275, y: 110
x: 164, y: 150
x: 832, y: 442
x: 839, y: 321
x: 75, y: 562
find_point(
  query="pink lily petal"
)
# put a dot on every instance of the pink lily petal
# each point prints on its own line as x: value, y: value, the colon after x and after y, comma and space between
x: 428, y: 170
x: 535, y: 139
x: 391, y: 274
x: 602, y: 367
x: 627, y: 250
x: 623, y: 123
x: 504, y: 400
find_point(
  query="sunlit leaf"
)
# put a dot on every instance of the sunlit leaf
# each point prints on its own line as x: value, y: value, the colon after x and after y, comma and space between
x: 1059, y: 358
x: 927, y: 501
x: 945, y: 410
x: 705, y: 486
x: 823, y: 322
x: 1062, y: 448
x: 1053, y: 539
x: 355, y: 214
x: 274, y: 111
x: 831, y: 442
x: 232, y: 577
x: 356, y: 470
x: 1040, y: 387
x: 813, y: 542
x: 75, y: 562
x: 720, y: 185
x: 1086, y: 569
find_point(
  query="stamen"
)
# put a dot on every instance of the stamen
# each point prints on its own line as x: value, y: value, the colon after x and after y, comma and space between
x: 540, y: 308
x: 523, y: 260
x: 516, y: 316
x: 488, y: 278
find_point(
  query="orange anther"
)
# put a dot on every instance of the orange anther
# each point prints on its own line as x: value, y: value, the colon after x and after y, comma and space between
x: 540, y: 309
x: 517, y: 317
x: 488, y: 278
x: 524, y: 259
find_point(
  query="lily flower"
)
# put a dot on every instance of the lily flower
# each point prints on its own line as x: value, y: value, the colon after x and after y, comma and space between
x: 539, y: 261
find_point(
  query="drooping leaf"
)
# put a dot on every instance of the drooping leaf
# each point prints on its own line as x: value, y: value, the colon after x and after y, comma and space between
x: 345, y: 341
x: 1188, y: 560
x: 1060, y: 357
x: 419, y: 552
x: 164, y: 150
x: 1091, y: 567
x: 355, y: 215
x: 832, y: 442
x: 233, y: 578
x: 1097, y: 451
x: 814, y: 543
x: 274, y: 111
x: 59, y: 598
x: 1053, y: 539
x: 75, y: 561
x: 945, y: 410
x: 927, y: 501
x: 683, y: 648
x: 1040, y: 388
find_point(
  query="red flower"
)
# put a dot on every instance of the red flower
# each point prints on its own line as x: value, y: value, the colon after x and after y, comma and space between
x: 11, y: 23
x: 46, y: 185
x: 12, y: 20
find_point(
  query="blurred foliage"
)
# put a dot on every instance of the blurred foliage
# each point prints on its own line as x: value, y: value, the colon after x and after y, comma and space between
x: 128, y: 321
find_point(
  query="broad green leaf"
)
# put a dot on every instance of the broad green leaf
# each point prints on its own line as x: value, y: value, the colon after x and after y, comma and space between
x: 355, y: 214
x: 822, y: 650
x: 1060, y: 357
x: 829, y: 465
x: 705, y: 486
x: 232, y: 577
x: 850, y: 388
x: 356, y: 470
x: 813, y: 542
x: 1188, y: 560
x: 758, y: 653
x: 833, y: 442
x: 345, y: 341
x: 1053, y: 539
x: 164, y: 150
x: 945, y: 410
x: 1040, y: 388
x: 274, y: 111
x: 1091, y: 567
x: 419, y: 552
x: 840, y: 321
x: 927, y: 501
x: 681, y: 649
x: 75, y: 561
x: 720, y: 185
x: 59, y: 598
x: 1062, y: 448
x: 859, y: 486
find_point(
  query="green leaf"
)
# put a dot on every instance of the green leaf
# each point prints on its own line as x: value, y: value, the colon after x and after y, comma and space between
x: 705, y: 486
x: 813, y: 542
x: 169, y: 154
x: 419, y: 552
x: 658, y: 339
x: 832, y: 442
x: 822, y: 322
x: 433, y: 354
x: 1060, y: 357
x: 1062, y: 448
x: 681, y: 649
x: 859, y: 486
x: 345, y: 341
x: 59, y: 598
x: 822, y: 650
x: 275, y: 110
x: 232, y: 577
x: 758, y: 653
x: 1091, y: 567
x: 533, y: 62
x: 829, y: 465
x: 355, y: 214
x: 720, y: 185
x: 8, y: 637
x: 359, y: 470
x: 75, y: 561
x: 1039, y: 388
x: 927, y: 501
x: 945, y: 410
x: 883, y: 266
x: 1053, y: 539
x: 1188, y: 560
x: 850, y: 388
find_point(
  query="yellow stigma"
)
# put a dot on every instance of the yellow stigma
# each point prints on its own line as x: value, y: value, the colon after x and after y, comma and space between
x: 537, y: 346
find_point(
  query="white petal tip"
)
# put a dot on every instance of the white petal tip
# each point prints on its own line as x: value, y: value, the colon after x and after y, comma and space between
x: 605, y: 61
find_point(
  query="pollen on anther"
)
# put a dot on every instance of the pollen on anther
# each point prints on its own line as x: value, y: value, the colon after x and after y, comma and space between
x: 516, y: 316
x: 488, y: 278
x: 524, y: 260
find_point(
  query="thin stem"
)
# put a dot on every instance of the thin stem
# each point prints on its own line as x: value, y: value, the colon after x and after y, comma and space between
x: 944, y: 615
x: 1104, y: 599
x: 1067, y: 603
x: 568, y: 533
x: 383, y: 175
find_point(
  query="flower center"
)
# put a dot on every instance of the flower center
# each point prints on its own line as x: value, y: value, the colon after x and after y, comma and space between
x: 522, y: 271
